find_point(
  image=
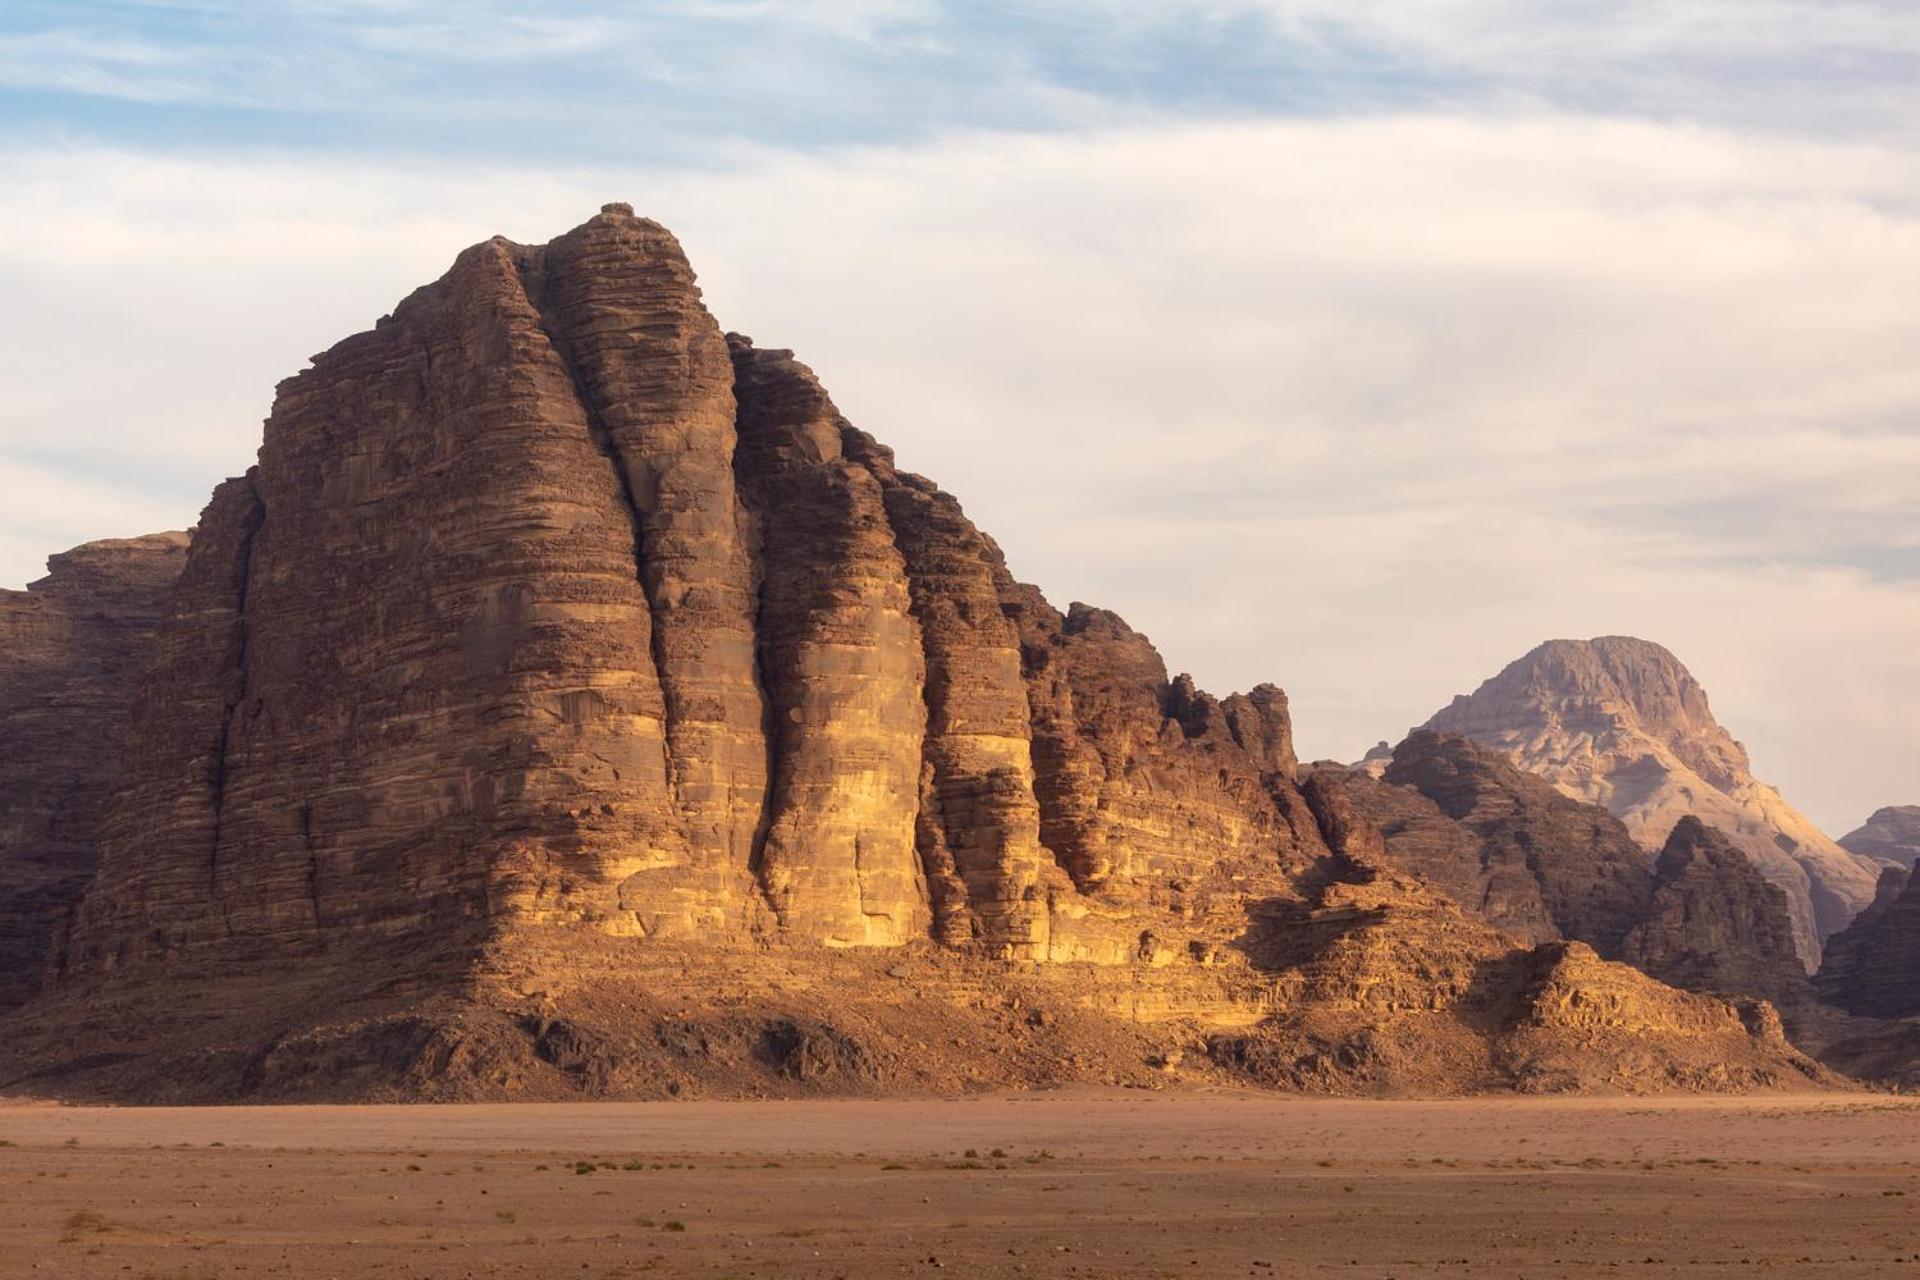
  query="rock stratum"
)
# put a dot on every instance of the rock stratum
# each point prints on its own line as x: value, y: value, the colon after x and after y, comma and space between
x: 1620, y: 723
x: 570, y: 702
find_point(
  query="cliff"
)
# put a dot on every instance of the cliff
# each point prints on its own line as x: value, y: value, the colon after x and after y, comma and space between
x: 72, y: 647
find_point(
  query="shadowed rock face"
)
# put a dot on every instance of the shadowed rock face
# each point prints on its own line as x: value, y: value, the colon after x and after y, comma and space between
x: 1873, y: 968
x: 72, y: 647
x: 1543, y: 865
x: 1621, y: 723
x: 1891, y: 835
x: 1716, y: 924
x: 1524, y: 857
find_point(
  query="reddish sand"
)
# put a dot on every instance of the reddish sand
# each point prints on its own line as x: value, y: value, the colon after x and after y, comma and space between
x: 1091, y: 1184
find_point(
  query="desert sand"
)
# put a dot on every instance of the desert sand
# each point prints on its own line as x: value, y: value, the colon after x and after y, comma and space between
x: 1085, y: 1183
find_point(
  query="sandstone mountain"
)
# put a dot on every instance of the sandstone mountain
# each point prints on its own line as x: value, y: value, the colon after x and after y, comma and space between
x: 571, y: 702
x: 1890, y: 836
x: 1621, y: 723
x: 71, y: 648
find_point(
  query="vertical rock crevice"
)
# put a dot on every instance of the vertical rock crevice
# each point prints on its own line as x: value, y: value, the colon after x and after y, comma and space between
x: 237, y: 679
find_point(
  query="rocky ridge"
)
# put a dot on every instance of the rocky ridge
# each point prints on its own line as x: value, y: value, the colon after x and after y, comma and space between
x: 1619, y: 722
x: 1519, y: 854
x: 1872, y: 968
x: 571, y: 702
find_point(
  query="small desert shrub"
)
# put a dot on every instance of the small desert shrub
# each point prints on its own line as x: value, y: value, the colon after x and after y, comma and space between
x: 83, y: 1222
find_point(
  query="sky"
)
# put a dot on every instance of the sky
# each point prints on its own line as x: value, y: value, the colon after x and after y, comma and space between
x: 1354, y: 347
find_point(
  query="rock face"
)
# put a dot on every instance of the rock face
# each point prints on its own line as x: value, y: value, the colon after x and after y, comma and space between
x: 1621, y: 723
x: 571, y: 702
x: 1873, y: 968
x: 1715, y: 924
x: 72, y: 647
x: 1891, y: 836
x: 1533, y: 861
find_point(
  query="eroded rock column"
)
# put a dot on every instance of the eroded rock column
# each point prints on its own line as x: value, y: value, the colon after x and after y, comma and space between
x: 840, y: 653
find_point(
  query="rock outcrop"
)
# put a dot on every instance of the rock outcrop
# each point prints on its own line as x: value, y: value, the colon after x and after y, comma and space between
x: 572, y: 703
x: 1715, y: 924
x: 1388, y: 987
x: 1873, y: 968
x: 1537, y: 863
x: 1891, y: 836
x: 1527, y: 859
x: 1621, y: 723
x: 72, y: 647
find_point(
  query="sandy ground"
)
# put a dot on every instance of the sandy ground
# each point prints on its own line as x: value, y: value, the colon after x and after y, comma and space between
x: 1092, y: 1184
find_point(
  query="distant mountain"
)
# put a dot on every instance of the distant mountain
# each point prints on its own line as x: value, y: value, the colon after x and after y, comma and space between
x: 1621, y: 723
x: 1891, y: 836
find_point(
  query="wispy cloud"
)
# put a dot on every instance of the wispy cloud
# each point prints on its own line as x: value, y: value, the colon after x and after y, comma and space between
x: 597, y: 78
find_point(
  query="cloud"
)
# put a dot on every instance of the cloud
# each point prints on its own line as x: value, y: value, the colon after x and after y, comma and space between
x: 599, y: 78
x: 1367, y: 406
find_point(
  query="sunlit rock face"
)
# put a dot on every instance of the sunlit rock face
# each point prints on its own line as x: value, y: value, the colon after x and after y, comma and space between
x: 1619, y: 722
x: 72, y: 647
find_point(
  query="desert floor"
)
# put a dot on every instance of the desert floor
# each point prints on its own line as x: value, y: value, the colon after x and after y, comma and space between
x: 1089, y: 1184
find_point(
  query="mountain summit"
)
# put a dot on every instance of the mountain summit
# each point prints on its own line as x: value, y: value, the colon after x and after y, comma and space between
x: 1620, y: 722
